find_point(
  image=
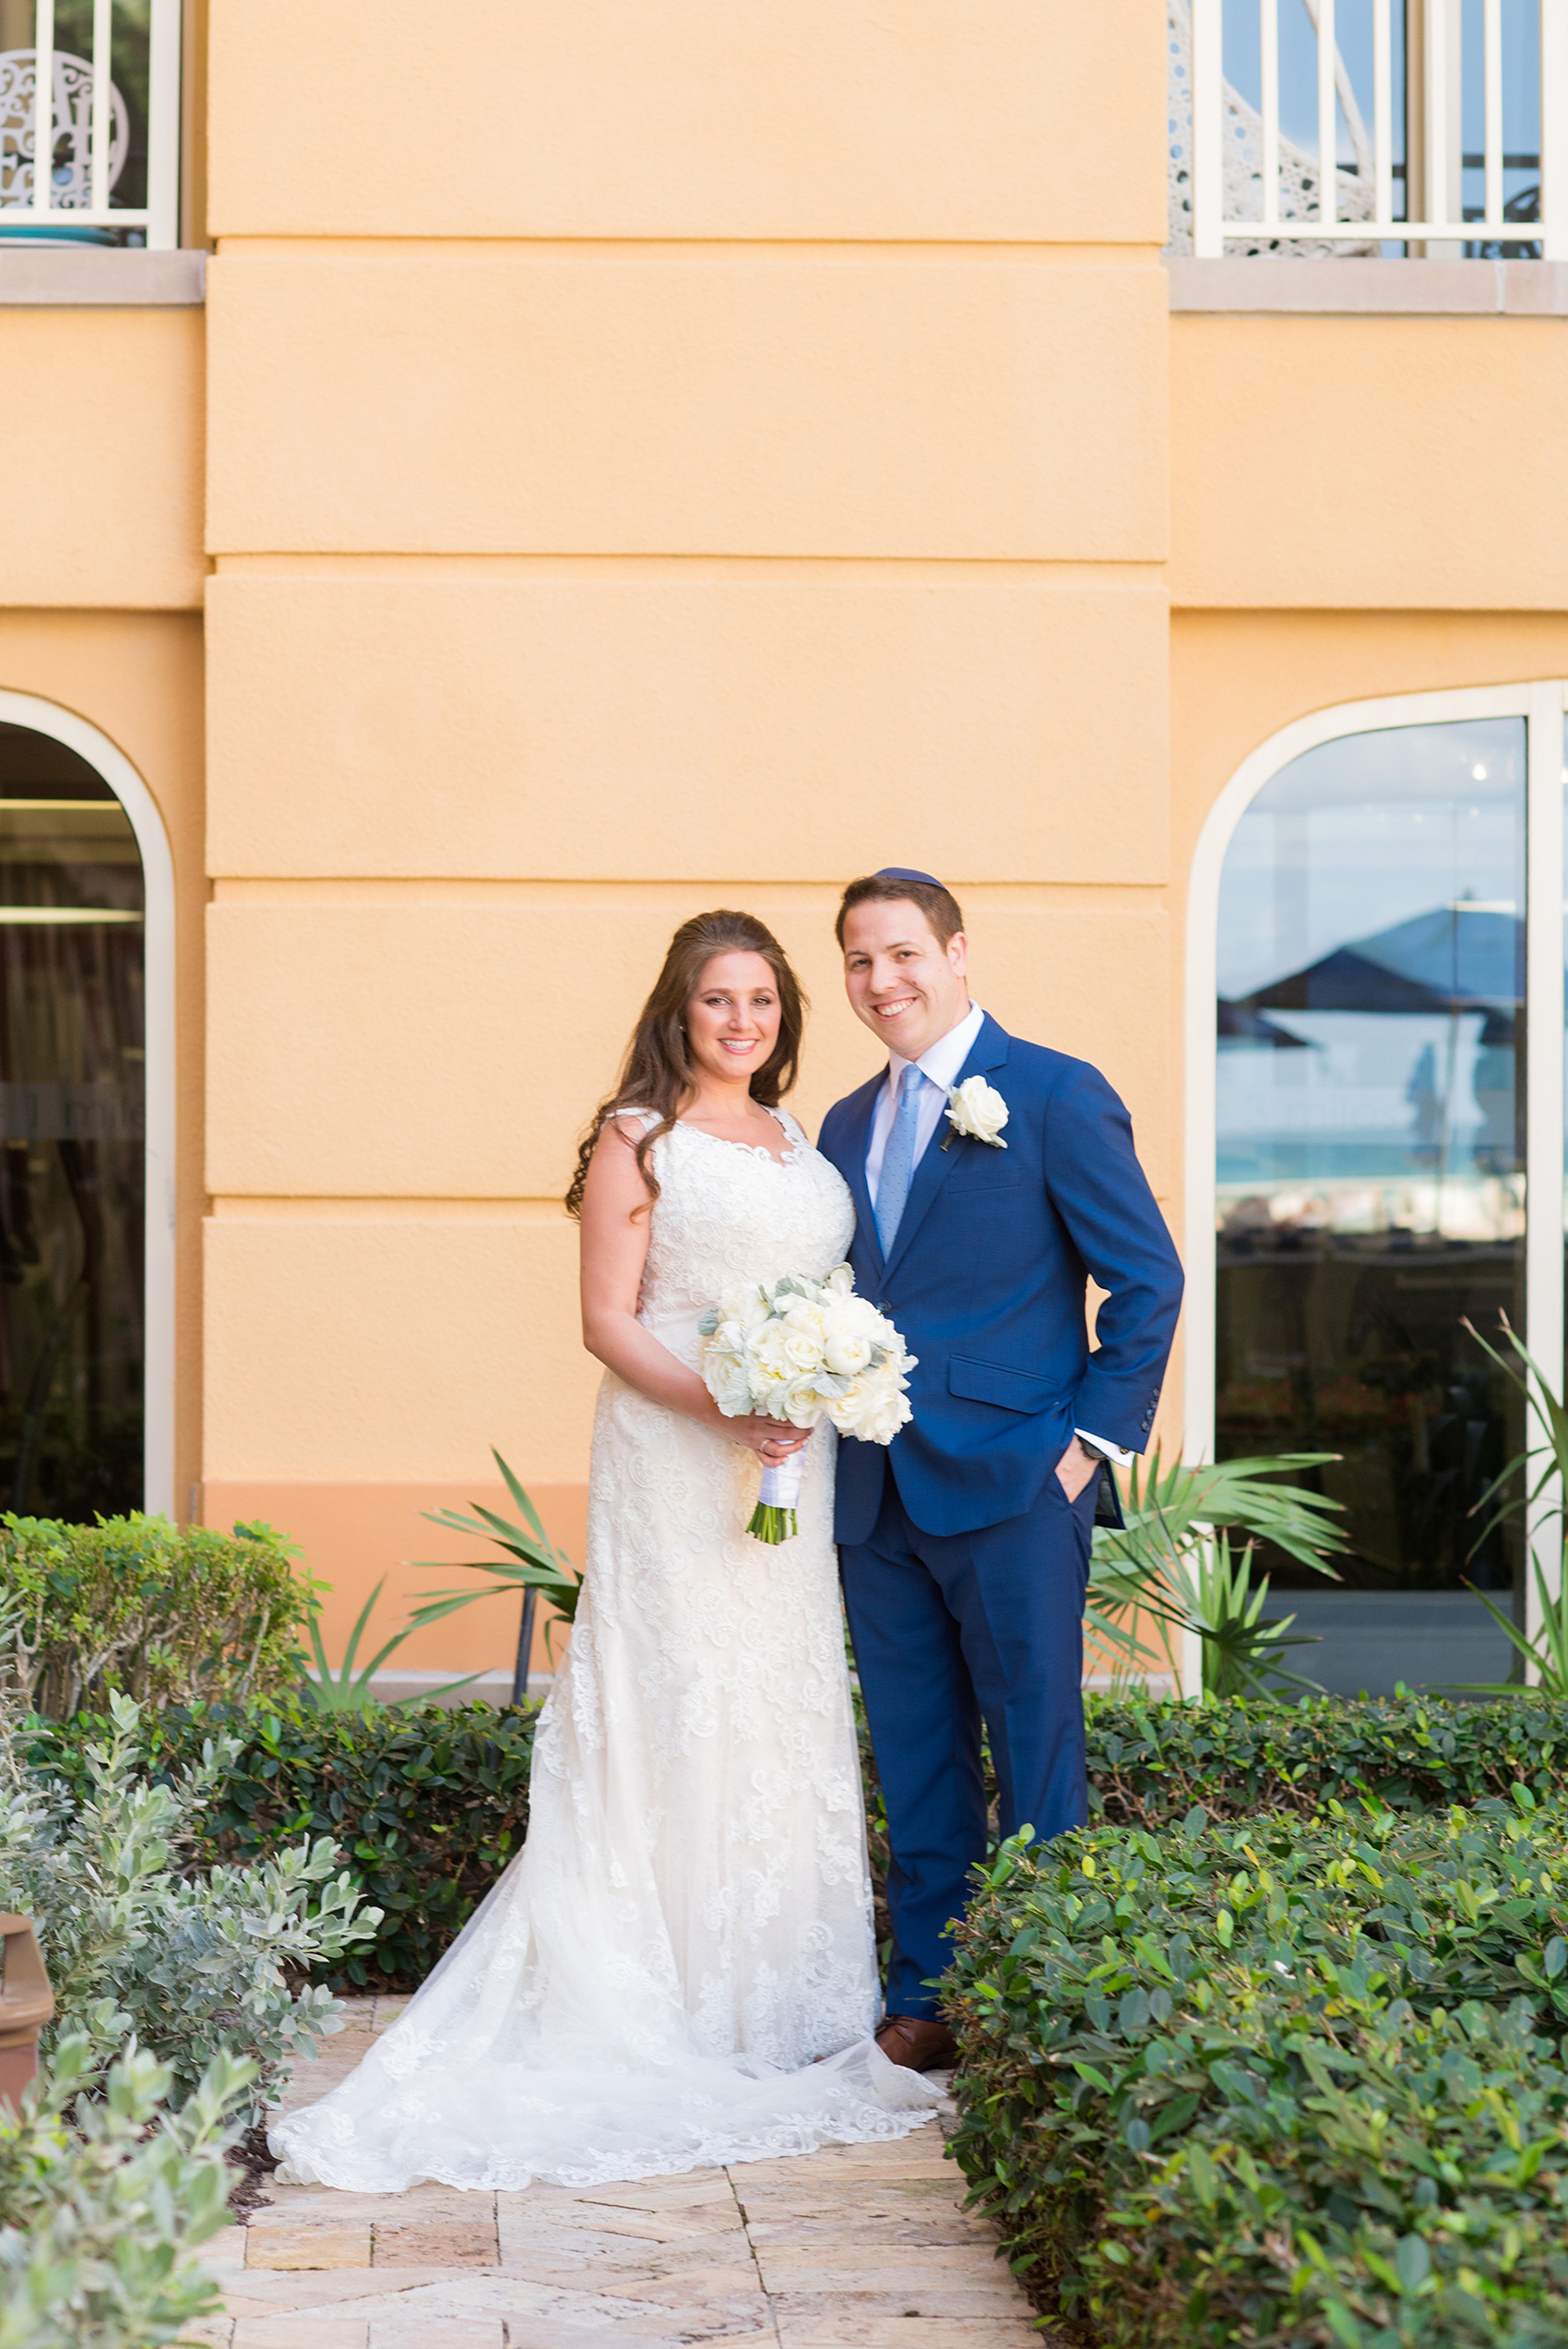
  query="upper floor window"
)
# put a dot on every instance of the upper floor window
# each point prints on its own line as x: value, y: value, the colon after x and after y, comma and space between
x: 90, y: 109
x: 1394, y: 129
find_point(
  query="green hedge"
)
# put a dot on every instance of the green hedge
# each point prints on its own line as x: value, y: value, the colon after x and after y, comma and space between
x: 430, y: 1805
x: 166, y: 1613
x: 1280, y: 2081
x: 427, y: 1806
x: 1149, y: 1763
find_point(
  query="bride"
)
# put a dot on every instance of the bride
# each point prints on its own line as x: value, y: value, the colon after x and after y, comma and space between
x: 679, y: 1967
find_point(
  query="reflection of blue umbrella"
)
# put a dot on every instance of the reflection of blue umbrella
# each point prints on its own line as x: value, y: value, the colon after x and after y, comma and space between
x: 1458, y: 957
x: 1238, y: 1025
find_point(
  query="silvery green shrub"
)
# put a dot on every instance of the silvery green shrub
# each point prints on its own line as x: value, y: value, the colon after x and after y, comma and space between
x: 191, y: 1966
x: 103, y: 2196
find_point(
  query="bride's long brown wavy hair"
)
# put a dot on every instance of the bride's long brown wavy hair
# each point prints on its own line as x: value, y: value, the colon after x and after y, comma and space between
x: 658, y: 1072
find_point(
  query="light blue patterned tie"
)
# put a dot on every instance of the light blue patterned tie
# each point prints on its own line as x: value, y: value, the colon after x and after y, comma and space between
x: 898, y: 1160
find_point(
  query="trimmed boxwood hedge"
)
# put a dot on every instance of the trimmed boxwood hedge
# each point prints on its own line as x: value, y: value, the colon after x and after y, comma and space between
x: 1280, y: 2081
x: 430, y: 1805
x: 166, y: 1613
x: 1149, y: 1763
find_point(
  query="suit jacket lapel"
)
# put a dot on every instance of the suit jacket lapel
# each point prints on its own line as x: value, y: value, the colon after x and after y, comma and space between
x: 857, y: 1142
x: 988, y: 1051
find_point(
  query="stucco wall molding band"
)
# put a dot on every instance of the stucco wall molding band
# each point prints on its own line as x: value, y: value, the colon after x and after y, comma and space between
x: 63, y: 280
x: 1264, y: 286
x: 705, y: 407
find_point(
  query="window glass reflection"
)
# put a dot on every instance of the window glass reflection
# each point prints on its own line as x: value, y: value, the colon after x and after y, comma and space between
x: 72, y: 1128
x: 1370, y: 1137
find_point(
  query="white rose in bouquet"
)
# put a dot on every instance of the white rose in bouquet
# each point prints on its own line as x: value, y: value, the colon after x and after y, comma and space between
x: 799, y: 1352
x: 872, y: 1411
x: 805, y: 1334
x: 848, y: 1353
x: 729, y: 1381
x: 746, y: 1306
x: 802, y: 1401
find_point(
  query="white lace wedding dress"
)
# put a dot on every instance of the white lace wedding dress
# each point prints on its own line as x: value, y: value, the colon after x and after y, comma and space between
x: 688, y: 1927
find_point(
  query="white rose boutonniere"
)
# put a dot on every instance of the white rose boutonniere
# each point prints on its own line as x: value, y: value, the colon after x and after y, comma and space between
x: 977, y: 1109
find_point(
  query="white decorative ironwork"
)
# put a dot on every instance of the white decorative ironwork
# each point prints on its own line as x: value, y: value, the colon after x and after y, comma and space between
x: 65, y: 112
x: 1238, y: 184
x: 71, y: 133
x: 1257, y: 154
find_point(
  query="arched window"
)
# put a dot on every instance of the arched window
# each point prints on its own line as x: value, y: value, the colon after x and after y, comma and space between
x: 1376, y: 1020
x: 86, y: 1099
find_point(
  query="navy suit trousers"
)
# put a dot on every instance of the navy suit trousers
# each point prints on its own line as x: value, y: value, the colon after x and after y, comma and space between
x: 951, y: 1630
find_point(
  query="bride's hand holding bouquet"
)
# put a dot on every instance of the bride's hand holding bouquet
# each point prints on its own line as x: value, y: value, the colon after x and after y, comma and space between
x: 792, y: 1353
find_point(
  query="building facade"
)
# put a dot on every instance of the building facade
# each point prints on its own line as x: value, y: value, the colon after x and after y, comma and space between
x: 484, y: 487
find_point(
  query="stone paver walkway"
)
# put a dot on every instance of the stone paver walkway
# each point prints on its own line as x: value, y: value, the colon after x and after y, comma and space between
x: 863, y: 2247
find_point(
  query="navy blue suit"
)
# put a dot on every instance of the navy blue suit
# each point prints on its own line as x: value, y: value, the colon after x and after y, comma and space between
x: 965, y: 1564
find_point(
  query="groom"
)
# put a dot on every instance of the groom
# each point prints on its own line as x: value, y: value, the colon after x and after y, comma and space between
x: 965, y: 1544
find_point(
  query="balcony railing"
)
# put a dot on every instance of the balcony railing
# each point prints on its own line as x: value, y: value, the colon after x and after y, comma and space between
x: 1408, y: 150
x: 89, y: 125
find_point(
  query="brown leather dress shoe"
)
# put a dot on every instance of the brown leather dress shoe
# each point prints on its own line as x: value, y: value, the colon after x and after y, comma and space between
x: 917, y: 2044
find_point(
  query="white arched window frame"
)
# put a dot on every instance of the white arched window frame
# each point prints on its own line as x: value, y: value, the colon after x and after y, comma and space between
x: 157, y: 881
x: 1542, y: 704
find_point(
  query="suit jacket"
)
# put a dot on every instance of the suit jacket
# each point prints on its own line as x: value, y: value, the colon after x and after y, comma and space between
x: 987, y: 1284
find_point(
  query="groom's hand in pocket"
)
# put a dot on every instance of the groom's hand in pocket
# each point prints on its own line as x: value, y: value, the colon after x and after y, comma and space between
x: 1074, y: 1468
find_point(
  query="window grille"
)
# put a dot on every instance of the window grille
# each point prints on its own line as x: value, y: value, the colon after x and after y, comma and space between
x: 89, y: 122
x: 1390, y: 164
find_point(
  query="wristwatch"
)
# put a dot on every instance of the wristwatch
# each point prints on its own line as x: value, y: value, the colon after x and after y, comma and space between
x: 1093, y: 1450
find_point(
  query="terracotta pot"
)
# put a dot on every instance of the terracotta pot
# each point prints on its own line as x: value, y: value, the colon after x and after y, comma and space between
x: 27, y: 2003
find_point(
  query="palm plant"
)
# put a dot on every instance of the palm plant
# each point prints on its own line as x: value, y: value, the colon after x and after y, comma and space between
x: 530, y: 1562
x: 1551, y: 1452
x: 1544, y: 1652
x: 1217, y: 1598
x: 1165, y: 1563
x: 348, y: 1690
x: 1173, y: 1560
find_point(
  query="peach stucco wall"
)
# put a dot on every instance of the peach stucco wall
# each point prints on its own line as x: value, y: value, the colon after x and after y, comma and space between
x: 974, y: 121
x: 100, y: 412
x: 750, y: 469
x: 752, y: 447
x: 1388, y: 464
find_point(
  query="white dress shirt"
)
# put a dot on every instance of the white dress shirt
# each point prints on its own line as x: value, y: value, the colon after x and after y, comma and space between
x: 940, y: 1068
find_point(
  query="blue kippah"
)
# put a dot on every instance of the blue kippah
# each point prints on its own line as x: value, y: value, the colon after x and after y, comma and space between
x: 907, y: 873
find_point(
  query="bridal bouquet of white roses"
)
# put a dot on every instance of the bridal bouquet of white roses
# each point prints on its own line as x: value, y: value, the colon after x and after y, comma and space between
x: 799, y: 1351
